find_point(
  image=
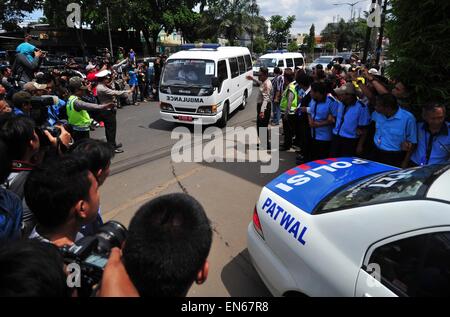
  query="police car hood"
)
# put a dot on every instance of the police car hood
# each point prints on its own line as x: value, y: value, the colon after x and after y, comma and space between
x: 305, y: 186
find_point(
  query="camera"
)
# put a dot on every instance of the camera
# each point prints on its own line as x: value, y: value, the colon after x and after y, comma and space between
x: 91, y: 253
x: 39, y: 114
x: 39, y: 109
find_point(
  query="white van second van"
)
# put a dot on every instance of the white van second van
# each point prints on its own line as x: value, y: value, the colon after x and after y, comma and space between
x: 204, y: 85
x: 281, y: 59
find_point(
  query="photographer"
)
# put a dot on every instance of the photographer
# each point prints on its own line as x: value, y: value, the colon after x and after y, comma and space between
x: 24, y: 148
x: 63, y: 195
x: 22, y: 103
x: 98, y: 154
x: 167, y: 246
x: 7, y: 79
x: 32, y: 269
x: 28, y: 61
x: 10, y: 204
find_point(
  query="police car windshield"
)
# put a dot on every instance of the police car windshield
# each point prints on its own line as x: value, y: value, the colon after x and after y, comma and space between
x: 188, y: 72
x: 386, y: 187
x: 266, y: 62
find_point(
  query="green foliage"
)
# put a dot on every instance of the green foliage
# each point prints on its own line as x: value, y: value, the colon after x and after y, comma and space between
x: 293, y: 46
x: 349, y: 35
x: 280, y: 29
x: 12, y: 12
x: 420, y: 47
x: 260, y: 45
x: 312, y: 39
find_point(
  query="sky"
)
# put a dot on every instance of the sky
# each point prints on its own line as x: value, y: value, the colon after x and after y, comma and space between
x: 307, y: 12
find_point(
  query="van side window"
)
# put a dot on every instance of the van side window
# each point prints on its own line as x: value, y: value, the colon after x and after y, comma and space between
x: 222, y: 72
x: 280, y: 63
x: 234, y: 67
x: 298, y: 62
x: 241, y: 62
x: 289, y: 62
x: 248, y: 62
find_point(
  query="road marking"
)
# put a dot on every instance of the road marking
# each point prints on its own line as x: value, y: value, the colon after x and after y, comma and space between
x: 149, y: 195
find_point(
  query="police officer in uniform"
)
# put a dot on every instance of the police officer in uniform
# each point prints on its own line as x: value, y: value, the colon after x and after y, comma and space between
x: 77, y: 110
x: 106, y: 94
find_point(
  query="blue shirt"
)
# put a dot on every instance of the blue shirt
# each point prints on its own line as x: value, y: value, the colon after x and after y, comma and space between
x: 26, y: 49
x: 320, y: 112
x: 10, y: 215
x: 432, y: 149
x: 392, y: 132
x: 350, y: 118
x: 18, y: 112
x: 133, y: 78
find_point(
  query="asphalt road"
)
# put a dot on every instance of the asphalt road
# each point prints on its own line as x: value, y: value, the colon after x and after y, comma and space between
x: 227, y: 191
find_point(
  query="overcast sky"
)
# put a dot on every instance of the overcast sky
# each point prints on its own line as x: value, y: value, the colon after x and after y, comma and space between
x: 307, y: 12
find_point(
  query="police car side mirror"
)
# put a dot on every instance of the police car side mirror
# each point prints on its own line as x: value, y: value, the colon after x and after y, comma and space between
x: 215, y: 82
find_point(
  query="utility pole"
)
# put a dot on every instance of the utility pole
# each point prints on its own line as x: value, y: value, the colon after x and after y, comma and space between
x: 367, y: 40
x: 352, y: 5
x: 109, y: 34
x: 380, y: 39
x: 253, y: 8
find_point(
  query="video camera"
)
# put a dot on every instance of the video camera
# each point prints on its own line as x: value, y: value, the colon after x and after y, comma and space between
x: 39, y: 114
x: 92, y: 252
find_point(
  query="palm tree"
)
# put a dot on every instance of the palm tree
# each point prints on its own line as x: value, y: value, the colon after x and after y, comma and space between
x: 235, y: 18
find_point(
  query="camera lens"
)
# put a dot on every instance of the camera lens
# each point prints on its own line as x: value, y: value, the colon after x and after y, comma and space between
x: 111, y: 235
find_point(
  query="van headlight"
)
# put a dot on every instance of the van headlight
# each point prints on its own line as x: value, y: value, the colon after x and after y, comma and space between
x: 205, y: 92
x: 166, y: 106
x: 165, y: 90
x: 207, y: 109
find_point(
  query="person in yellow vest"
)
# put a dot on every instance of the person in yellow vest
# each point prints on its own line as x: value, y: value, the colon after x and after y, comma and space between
x: 77, y: 110
x: 288, y: 106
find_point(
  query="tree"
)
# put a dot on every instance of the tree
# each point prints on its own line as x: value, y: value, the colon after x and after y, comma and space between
x: 280, y: 29
x: 312, y: 40
x: 259, y: 45
x: 12, y: 12
x: 420, y: 48
x: 235, y: 19
x: 293, y: 46
x: 148, y: 17
x: 343, y: 34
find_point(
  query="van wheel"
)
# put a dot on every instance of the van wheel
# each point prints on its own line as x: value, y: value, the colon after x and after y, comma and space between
x: 222, y: 123
x: 244, y: 101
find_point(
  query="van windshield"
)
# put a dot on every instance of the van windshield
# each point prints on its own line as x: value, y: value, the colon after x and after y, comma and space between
x: 266, y: 62
x: 188, y: 72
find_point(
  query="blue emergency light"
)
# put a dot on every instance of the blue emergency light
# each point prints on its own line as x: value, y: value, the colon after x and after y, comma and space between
x: 276, y: 51
x: 201, y: 45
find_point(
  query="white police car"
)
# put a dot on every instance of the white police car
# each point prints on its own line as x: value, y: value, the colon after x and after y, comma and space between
x: 351, y: 227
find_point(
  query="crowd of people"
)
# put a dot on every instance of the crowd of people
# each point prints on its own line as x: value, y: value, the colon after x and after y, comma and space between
x: 50, y: 174
x: 335, y: 112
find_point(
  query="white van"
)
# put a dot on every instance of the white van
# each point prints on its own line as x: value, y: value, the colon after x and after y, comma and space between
x: 204, y: 85
x: 279, y: 59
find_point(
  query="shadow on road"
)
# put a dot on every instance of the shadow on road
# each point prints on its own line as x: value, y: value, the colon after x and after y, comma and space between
x: 251, y: 171
x: 241, y: 270
x: 162, y: 125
